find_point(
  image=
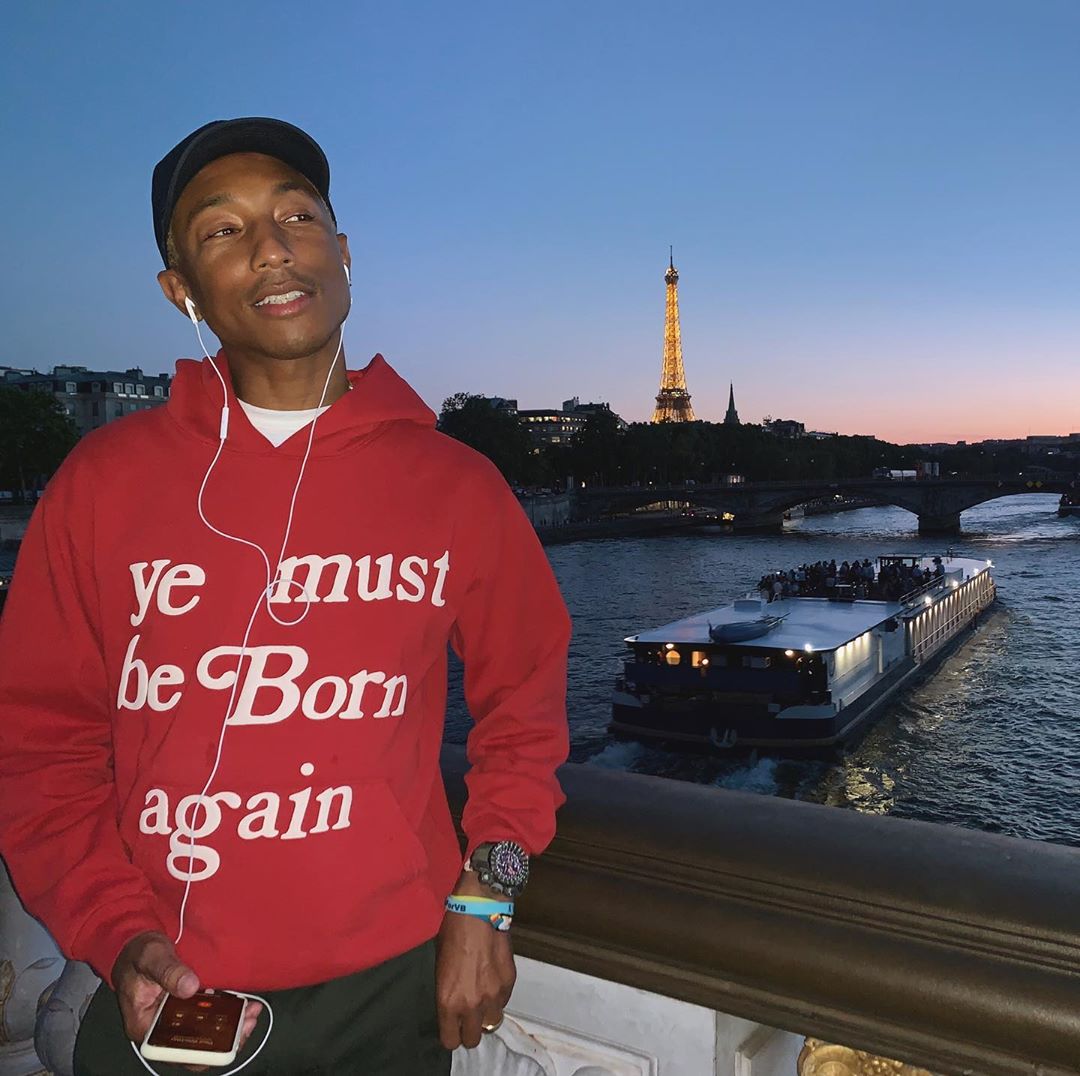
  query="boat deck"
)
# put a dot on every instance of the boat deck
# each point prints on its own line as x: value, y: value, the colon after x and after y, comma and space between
x: 811, y: 624
x: 817, y: 623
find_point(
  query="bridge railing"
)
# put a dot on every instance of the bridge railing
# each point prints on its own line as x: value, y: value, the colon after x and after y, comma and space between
x: 1021, y: 483
x: 941, y: 947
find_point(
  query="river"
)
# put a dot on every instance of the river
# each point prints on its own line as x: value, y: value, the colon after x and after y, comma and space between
x: 991, y: 741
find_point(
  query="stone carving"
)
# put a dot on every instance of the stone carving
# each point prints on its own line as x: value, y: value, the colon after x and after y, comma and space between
x: 29, y: 966
x: 512, y: 1051
x: 506, y: 1052
x: 819, y: 1058
x: 59, y: 1018
x: 7, y: 982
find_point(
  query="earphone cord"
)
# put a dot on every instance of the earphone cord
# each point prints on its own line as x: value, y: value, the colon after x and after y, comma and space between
x: 266, y: 595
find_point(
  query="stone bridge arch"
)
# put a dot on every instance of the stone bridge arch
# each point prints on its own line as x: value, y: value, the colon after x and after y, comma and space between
x: 937, y: 503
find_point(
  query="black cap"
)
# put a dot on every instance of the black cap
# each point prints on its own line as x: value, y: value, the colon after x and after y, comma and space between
x: 252, y: 134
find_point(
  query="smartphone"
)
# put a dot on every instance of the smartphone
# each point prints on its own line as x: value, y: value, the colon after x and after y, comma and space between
x: 203, y: 1029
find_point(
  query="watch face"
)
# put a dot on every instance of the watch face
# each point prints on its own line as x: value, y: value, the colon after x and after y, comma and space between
x: 509, y: 863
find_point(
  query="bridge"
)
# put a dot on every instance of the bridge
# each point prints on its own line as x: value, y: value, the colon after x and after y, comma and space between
x: 937, y: 502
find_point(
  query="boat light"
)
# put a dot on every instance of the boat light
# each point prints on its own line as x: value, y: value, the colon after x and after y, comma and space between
x: 955, y: 584
x: 669, y: 646
x: 928, y: 600
x: 789, y: 653
x: 704, y: 661
x: 809, y: 648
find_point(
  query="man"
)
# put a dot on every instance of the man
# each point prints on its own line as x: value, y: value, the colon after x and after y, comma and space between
x: 223, y: 666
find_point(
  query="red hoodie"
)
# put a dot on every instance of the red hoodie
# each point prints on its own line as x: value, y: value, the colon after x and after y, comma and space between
x: 325, y: 844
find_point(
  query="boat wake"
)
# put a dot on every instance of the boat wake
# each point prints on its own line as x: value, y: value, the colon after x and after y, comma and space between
x: 758, y: 776
x: 617, y: 756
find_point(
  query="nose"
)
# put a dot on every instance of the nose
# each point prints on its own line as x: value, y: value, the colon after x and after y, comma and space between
x: 270, y: 247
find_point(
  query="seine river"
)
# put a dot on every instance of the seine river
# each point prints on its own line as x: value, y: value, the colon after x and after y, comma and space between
x: 991, y: 741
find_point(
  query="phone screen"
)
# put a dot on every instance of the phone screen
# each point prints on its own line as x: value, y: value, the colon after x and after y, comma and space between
x: 201, y: 1022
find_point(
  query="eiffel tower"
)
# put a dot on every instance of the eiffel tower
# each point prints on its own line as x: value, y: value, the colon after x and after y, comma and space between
x: 672, y: 401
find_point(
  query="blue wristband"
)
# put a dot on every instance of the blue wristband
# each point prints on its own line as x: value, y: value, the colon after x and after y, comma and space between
x: 498, y: 913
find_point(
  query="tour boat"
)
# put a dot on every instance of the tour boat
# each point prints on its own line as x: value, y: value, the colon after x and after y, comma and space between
x: 1069, y: 505
x: 811, y: 680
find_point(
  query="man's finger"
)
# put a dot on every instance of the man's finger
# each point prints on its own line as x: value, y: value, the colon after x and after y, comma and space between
x: 470, y: 1028
x: 449, y: 1028
x: 251, y: 1016
x: 161, y: 964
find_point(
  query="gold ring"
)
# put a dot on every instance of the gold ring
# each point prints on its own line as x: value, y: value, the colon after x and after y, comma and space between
x: 489, y: 1028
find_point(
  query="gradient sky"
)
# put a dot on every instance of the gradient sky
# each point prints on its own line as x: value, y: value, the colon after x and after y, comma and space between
x: 875, y: 204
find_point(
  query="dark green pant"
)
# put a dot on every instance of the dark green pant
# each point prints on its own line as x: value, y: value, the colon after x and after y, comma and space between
x: 380, y: 1021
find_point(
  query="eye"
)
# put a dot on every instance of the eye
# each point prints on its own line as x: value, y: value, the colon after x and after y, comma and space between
x: 227, y: 230
x: 302, y: 215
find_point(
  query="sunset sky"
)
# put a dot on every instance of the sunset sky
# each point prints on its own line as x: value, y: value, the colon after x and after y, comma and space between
x: 874, y: 205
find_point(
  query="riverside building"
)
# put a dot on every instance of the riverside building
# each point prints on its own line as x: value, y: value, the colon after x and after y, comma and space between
x: 93, y: 397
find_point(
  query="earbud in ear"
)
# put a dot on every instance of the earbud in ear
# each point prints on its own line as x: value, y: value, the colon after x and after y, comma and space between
x: 191, y: 310
x: 348, y: 277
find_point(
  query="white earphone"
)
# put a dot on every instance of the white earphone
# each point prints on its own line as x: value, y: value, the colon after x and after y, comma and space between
x: 347, y: 276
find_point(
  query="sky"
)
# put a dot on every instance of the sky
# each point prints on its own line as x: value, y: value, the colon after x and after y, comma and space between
x: 874, y: 204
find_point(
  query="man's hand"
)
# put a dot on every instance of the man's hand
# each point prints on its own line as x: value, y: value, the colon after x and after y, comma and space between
x: 474, y: 974
x: 146, y: 968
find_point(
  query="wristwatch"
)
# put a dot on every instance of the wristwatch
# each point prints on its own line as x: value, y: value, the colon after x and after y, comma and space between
x: 503, y: 866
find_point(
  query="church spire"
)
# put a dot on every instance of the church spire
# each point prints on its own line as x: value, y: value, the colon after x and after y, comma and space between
x: 732, y: 416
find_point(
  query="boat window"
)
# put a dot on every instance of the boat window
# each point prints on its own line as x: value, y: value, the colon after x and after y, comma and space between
x: 698, y: 658
x: 673, y: 657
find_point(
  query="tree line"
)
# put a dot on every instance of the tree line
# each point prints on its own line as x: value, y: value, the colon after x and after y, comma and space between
x: 671, y: 452
x: 36, y: 433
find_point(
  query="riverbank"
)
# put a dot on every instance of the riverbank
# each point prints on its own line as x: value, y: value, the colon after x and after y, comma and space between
x: 13, y: 521
x: 649, y: 524
x: 643, y: 526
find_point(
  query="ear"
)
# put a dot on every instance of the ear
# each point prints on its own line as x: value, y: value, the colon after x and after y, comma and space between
x: 176, y: 289
x: 343, y: 244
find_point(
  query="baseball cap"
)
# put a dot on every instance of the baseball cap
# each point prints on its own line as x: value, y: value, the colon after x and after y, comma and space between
x: 219, y: 138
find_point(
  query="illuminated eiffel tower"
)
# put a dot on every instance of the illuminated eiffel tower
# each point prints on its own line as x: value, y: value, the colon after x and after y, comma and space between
x: 672, y: 401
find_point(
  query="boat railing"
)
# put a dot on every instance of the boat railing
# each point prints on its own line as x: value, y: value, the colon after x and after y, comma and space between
x: 912, y: 596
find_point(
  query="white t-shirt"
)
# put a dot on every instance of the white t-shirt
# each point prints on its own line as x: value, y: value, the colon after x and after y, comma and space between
x: 278, y: 426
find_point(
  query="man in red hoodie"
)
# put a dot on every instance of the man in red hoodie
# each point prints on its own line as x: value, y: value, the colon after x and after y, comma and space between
x: 223, y: 666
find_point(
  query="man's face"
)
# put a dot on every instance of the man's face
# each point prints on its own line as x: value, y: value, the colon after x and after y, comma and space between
x: 250, y: 232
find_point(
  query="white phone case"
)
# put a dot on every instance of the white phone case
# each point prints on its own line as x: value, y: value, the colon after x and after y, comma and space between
x: 186, y: 1056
